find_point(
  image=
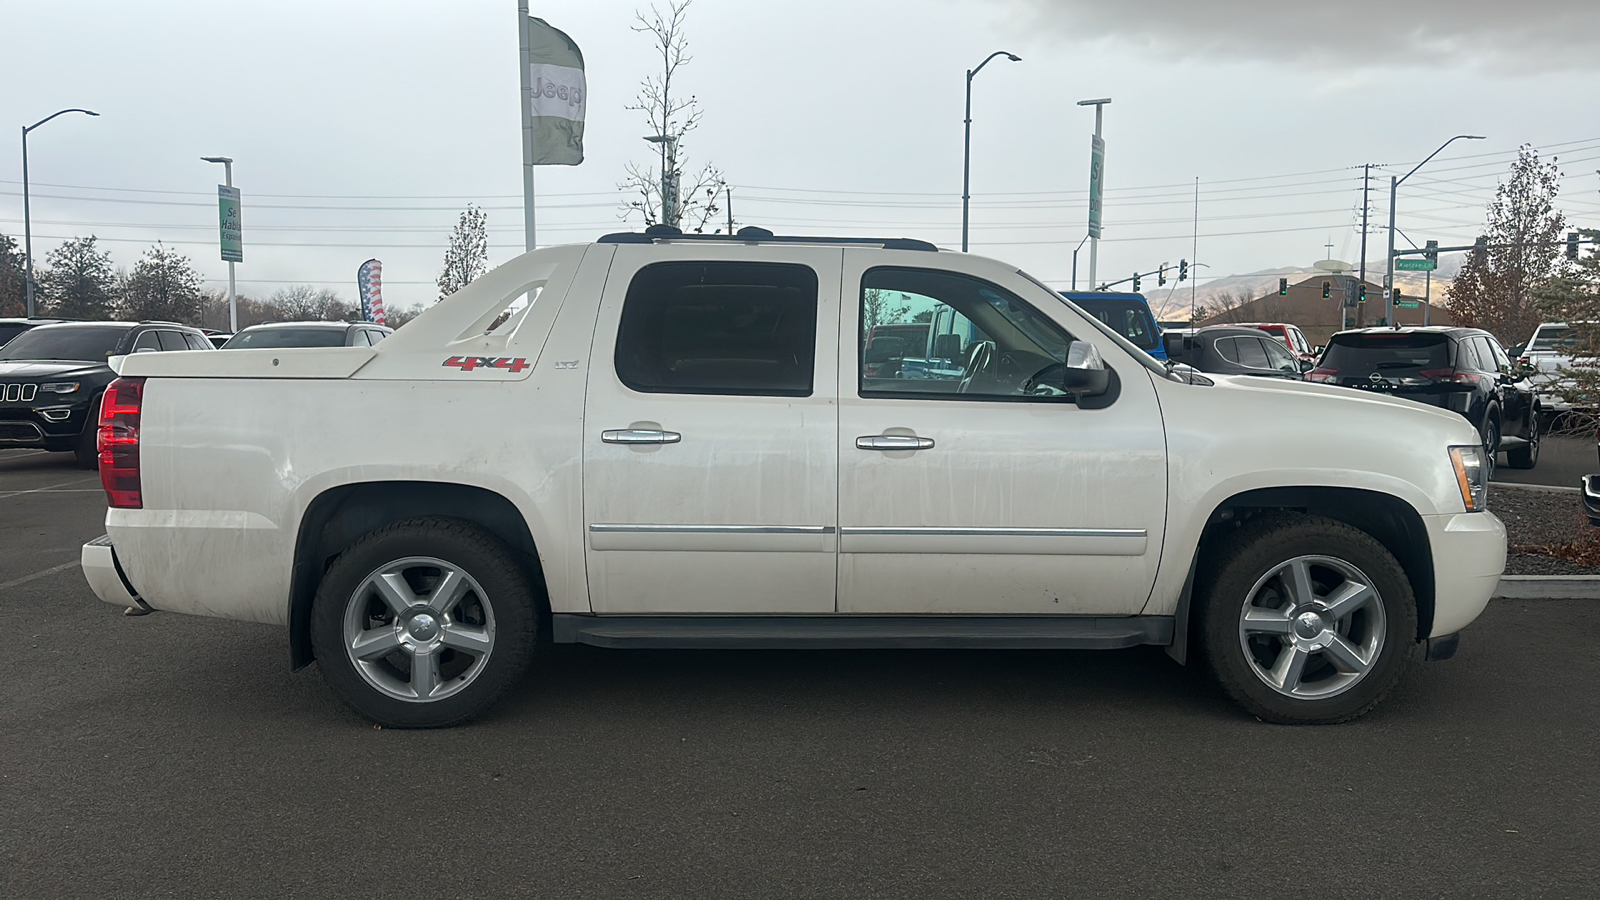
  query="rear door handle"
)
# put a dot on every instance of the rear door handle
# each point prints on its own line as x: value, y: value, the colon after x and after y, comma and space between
x: 893, y: 442
x: 639, y: 436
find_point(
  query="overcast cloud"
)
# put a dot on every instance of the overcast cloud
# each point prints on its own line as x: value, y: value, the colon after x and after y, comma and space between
x: 1517, y: 36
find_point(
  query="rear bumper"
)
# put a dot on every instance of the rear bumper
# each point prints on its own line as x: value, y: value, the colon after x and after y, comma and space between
x: 105, y: 576
x: 1469, y: 556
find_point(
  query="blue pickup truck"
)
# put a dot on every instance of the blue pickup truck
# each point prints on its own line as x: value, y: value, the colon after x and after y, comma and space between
x: 1126, y: 314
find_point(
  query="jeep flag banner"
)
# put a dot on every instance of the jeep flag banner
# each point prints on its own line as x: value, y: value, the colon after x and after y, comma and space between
x: 556, y: 96
x: 369, y: 282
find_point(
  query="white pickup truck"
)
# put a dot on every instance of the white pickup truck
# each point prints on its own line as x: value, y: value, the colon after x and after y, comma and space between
x: 678, y: 443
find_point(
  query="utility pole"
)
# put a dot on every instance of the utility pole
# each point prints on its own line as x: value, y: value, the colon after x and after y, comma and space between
x: 730, y: 208
x: 1366, y: 178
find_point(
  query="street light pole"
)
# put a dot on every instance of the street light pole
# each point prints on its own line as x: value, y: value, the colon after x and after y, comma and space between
x: 233, y: 297
x: 1096, y: 184
x: 966, y: 154
x: 1075, y: 262
x: 27, y: 216
x: 1394, y: 186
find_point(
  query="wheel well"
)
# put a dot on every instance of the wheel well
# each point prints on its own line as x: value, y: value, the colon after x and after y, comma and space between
x: 341, y: 515
x: 1387, y: 518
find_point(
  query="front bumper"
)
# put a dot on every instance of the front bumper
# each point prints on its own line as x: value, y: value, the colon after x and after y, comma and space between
x: 1469, y: 556
x: 105, y: 575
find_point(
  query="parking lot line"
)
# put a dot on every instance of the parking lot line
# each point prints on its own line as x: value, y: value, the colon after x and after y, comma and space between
x: 48, y: 487
x: 40, y: 574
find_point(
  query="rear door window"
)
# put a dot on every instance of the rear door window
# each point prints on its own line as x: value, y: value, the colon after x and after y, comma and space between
x: 719, y: 328
x: 1357, y: 355
x: 1251, y: 353
x: 147, y: 341
x: 173, y: 340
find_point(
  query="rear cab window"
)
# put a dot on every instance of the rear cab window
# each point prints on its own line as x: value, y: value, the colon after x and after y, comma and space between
x: 719, y: 328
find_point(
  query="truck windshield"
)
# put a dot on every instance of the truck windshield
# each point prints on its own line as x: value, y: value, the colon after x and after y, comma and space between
x: 89, y: 343
x: 286, y: 337
x: 1126, y: 318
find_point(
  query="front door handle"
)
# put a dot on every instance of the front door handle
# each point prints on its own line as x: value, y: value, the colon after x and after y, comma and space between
x: 639, y: 436
x: 893, y: 442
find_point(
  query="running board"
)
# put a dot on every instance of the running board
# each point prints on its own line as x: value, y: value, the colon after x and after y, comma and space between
x: 843, y: 632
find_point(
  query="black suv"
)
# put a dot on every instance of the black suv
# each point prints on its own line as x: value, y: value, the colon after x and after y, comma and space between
x: 1460, y: 369
x: 51, y: 378
x: 1224, y: 350
x: 10, y: 328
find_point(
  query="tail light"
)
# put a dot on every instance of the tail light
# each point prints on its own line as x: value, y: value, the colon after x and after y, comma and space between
x: 1320, y: 374
x: 1449, y: 376
x: 118, y: 442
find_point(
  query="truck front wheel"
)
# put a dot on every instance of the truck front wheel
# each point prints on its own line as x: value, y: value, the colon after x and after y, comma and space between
x: 423, y: 623
x: 1305, y: 620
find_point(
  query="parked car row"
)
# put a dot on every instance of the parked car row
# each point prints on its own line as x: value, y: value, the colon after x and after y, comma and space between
x: 52, y: 372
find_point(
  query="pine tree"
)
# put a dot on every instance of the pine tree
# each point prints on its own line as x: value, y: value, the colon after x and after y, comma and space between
x: 1495, y: 289
x: 78, y: 283
x: 467, y: 257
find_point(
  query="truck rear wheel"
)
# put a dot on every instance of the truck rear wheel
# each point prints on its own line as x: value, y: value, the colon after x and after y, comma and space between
x: 423, y: 623
x: 1304, y: 620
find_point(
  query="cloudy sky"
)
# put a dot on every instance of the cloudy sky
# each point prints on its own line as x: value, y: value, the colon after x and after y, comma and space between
x: 361, y: 129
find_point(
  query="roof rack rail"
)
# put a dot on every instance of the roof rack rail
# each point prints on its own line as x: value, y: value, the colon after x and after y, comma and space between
x: 752, y: 234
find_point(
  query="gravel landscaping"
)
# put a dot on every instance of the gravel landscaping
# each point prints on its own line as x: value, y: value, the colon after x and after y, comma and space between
x: 1538, y: 518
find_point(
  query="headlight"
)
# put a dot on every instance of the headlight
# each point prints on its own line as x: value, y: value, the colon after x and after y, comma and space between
x: 59, y: 387
x: 1471, y: 476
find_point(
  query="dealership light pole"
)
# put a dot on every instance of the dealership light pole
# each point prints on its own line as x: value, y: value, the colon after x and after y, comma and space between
x: 27, y: 218
x: 1394, y: 185
x: 966, y: 155
x: 1097, y: 177
x: 233, y: 297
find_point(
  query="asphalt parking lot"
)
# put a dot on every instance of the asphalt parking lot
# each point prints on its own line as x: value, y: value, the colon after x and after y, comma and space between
x: 175, y: 756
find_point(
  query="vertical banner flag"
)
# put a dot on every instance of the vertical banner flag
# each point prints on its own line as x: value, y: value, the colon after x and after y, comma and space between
x: 556, y: 97
x: 231, y: 232
x: 1097, y: 180
x: 369, y: 281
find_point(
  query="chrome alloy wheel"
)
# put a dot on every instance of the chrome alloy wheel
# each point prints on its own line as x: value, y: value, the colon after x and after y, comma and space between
x: 419, y: 629
x: 1312, y: 627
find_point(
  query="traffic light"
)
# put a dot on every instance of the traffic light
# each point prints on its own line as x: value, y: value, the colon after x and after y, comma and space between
x: 1572, y: 245
x: 1283, y: 286
x: 1183, y: 270
x: 1327, y: 290
x: 1136, y: 282
x: 1161, y: 275
x: 1430, y: 250
x: 1361, y: 294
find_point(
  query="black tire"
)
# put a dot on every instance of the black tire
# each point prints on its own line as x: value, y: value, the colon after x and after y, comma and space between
x: 1237, y: 562
x: 84, y: 449
x: 1527, y: 457
x: 509, y: 600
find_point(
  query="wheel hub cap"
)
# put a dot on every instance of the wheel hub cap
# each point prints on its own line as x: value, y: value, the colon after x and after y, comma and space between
x: 423, y: 627
x: 1309, y: 624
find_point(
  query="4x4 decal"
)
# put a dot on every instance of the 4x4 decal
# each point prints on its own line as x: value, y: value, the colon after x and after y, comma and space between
x: 468, y: 363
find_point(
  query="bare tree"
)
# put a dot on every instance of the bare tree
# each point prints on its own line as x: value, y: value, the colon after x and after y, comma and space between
x: 467, y: 257
x: 304, y: 303
x: 1495, y: 287
x: 662, y: 196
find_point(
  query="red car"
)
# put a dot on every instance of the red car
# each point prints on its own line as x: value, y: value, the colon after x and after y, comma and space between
x: 1288, y: 335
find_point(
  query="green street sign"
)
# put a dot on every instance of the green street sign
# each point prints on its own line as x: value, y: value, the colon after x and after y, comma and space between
x: 1416, y: 265
x: 1409, y: 304
x: 232, y: 235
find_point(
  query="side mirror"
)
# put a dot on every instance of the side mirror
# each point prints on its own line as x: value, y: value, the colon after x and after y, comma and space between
x: 1085, y: 372
x: 1307, y: 365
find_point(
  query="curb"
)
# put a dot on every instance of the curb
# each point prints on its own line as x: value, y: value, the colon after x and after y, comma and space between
x: 1553, y: 488
x: 1548, y: 587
